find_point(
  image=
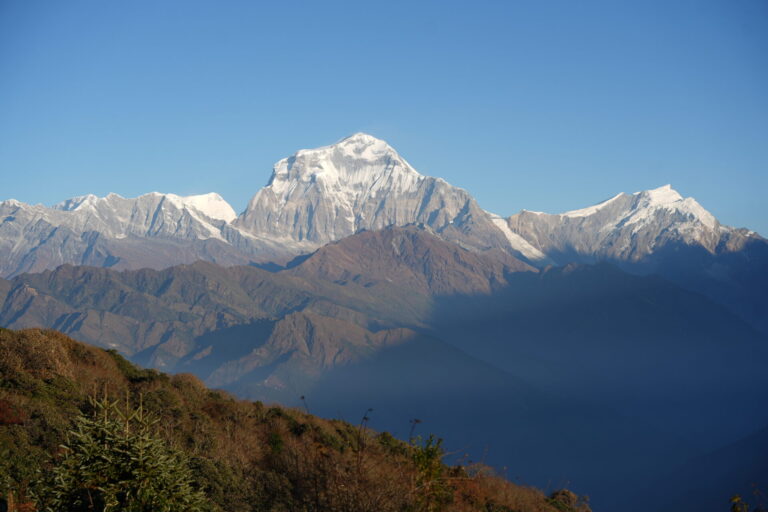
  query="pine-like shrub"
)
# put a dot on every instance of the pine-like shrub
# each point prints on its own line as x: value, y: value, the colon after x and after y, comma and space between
x: 112, y: 461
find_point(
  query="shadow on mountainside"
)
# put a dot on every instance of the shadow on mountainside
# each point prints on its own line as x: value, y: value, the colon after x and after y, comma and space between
x: 736, y: 279
x: 640, y: 346
x: 734, y: 276
x: 706, y: 482
x: 489, y: 415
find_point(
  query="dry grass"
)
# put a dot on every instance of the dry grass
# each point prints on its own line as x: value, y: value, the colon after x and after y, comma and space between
x: 247, y: 456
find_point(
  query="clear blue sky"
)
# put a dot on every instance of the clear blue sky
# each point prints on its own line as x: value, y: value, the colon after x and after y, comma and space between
x: 542, y: 105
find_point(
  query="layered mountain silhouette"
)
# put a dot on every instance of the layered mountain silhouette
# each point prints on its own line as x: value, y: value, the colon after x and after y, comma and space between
x: 591, y: 347
x: 360, y: 183
x: 106, y: 307
x: 563, y: 373
x: 313, y: 197
x: 659, y: 231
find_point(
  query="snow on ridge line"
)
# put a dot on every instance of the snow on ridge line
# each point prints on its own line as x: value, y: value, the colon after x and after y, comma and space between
x: 589, y: 210
x: 211, y: 204
x: 72, y: 204
x: 307, y: 165
x: 667, y: 198
x: 360, y: 142
x: 661, y: 195
x: 649, y: 201
x: 516, y: 241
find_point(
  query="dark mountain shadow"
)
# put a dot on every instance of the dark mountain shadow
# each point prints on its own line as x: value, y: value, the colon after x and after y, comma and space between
x: 273, y: 267
x: 657, y: 354
x: 583, y: 374
x: 489, y: 415
x: 706, y: 483
x: 298, y: 260
x: 268, y: 266
x: 736, y: 279
x: 223, y: 345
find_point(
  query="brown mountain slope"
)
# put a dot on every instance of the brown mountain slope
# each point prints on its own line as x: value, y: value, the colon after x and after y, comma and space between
x: 406, y: 258
x: 299, y: 349
x: 341, y: 304
x: 245, y: 456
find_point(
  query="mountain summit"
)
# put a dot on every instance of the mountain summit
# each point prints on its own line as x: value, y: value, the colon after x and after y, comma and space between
x: 361, y: 182
x: 314, y: 197
x: 642, y: 206
x: 626, y: 227
x: 152, y: 230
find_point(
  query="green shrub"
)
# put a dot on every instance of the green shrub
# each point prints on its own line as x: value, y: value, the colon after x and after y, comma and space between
x: 112, y: 461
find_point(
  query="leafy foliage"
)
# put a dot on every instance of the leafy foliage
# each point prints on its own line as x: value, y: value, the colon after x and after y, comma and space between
x: 432, y: 490
x: 112, y: 461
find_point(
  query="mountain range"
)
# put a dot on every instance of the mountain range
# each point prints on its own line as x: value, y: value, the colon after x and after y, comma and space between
x: 593, y: 346
x: 322, y: 195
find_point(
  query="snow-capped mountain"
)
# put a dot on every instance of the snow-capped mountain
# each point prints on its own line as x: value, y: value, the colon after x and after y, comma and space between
x: 154, y: 214
x: 659, y: 231
x: 313, y: 197
x: 325, y: 194
x: 626, y: 227
x: 152, y: 230
x: 321, y: 195
x: 211, y: 205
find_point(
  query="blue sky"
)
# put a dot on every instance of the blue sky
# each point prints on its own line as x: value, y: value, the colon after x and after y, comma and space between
x: 542, y: 105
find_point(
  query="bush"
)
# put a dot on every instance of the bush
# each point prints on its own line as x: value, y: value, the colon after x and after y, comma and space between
x: 111, y: 461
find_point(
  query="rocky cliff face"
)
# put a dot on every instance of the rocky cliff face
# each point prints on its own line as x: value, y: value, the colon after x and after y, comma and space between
x: 325, y: 194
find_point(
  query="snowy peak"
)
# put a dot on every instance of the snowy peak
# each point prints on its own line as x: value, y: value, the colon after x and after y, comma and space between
x: 76, y: 203
x: 589, y: 210
x: 211, y: 205
x: 359, y: 146
x: 152, y: 215
x: 663, y: 195
x: 361, y: 182
x: 358, y: 183
x: 358, y: 162
x: 643, y: 206
x: 364, y: 147
x: 668, y: 199
x: 626, y: 227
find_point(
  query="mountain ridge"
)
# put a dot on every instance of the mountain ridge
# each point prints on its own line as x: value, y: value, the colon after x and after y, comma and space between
x: 322, y: 195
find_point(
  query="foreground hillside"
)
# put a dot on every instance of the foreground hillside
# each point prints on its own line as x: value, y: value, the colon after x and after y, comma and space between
x: 244, y: 455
